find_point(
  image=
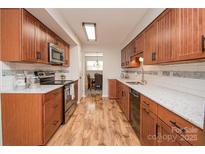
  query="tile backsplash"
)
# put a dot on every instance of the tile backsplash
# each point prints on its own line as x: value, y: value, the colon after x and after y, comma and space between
x: 190, y: 70
x: 189, y: 78
x: 9, y: 70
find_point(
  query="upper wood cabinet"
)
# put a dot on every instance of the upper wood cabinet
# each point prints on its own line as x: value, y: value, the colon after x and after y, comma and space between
x: 139, y: 43
x: 41, y: 43
x: 28, y: 37
x: 192, y: 28
x: 168, y: 36
x: 128, y: 56
x: 175, y: 35
x: 66, y: 55
x: 150, y: 53
x: 25, y: 39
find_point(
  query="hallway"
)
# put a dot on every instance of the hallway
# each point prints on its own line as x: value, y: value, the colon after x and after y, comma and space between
x: 96, y: 122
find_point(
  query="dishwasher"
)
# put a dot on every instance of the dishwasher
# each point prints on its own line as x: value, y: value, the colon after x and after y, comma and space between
x: 135, y: 111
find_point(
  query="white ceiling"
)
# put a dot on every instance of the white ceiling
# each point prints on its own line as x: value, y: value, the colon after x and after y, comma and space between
x: 113, y: 25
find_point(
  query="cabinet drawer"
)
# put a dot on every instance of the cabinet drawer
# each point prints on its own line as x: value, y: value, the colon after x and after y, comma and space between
x: 179, y: 125
x: 53, y: 94
x: 149, y: 104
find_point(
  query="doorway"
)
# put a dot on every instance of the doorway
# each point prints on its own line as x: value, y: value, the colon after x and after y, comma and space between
x: 93, y: 73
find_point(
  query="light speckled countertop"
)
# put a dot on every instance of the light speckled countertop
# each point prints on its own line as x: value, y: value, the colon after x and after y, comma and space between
x: 189, y: 107
x: 42, y: 89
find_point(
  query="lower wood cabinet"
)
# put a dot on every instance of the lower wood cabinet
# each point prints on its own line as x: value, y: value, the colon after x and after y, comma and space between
x: 148, y: 123
x: 123, y: 98
x: 112, y: 88
x: 166, y: 136
x: 31, y: 119
x: 160, y: 126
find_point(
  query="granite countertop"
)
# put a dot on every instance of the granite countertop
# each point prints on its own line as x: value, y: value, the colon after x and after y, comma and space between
x: 42, y: 89
x: 189, y: 107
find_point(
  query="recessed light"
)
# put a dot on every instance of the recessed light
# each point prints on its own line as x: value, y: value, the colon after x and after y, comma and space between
x: 90, y: 30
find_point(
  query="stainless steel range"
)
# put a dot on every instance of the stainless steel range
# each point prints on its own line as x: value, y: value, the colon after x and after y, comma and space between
x: 69, y: 101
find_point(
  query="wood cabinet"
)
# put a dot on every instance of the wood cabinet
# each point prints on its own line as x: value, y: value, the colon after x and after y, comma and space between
x: 191, y: 28
x: 160, y: 126
x: 123, y: 58
x: 150, y: 53
x: 66, y: 55
x: 53, y: 112
x: 148, y: 123
x: 41, y: 43
x: 25, y: 38
x: 31, y: 119
x: 112, y: 88
x: 176, y: 35
x: 76, y: 90
x: 123, y: 98
x: 28, y: 37
x: 140, y: 43
x: 166, y: 136
x: 128, y: 56
x: 168, y: 36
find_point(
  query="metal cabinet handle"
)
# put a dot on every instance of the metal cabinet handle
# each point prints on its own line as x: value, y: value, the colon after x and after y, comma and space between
x: 175, y: 124
x: 146, y: 103
x: 203, y: 39
x: 146, y: 110
x: 38, y: 55
x: 157, y: 127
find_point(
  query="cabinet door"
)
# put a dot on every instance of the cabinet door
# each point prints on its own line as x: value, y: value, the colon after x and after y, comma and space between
x: 53, y: 112
x: 168, y: 36
x: 41, y: 43
x: 51, y: 37
x: 167, y: 137
x: 148, y: 126
x: 66, y: 55
x: 123, y: 58
x: 28, y: 37
x: 120, y: 88
x: 126, y: 102
x: 139, y: 44
x: 191, y: 29
x: 112, y: 88
x: 76, y: 90
x: 150, y: 53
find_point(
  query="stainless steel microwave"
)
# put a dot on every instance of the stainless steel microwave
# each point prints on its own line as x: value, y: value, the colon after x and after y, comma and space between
x: 56, y: 55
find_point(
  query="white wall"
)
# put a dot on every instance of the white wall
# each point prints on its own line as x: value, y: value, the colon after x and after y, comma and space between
x: 111, y: 64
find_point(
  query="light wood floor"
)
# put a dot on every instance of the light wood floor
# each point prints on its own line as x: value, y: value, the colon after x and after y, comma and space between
x: 96, y: 122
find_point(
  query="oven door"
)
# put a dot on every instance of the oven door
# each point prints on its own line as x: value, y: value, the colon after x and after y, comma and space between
x: 56, y: 55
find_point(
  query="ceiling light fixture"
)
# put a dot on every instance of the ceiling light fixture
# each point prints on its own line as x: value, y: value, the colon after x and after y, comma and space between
x: 90, y: 30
